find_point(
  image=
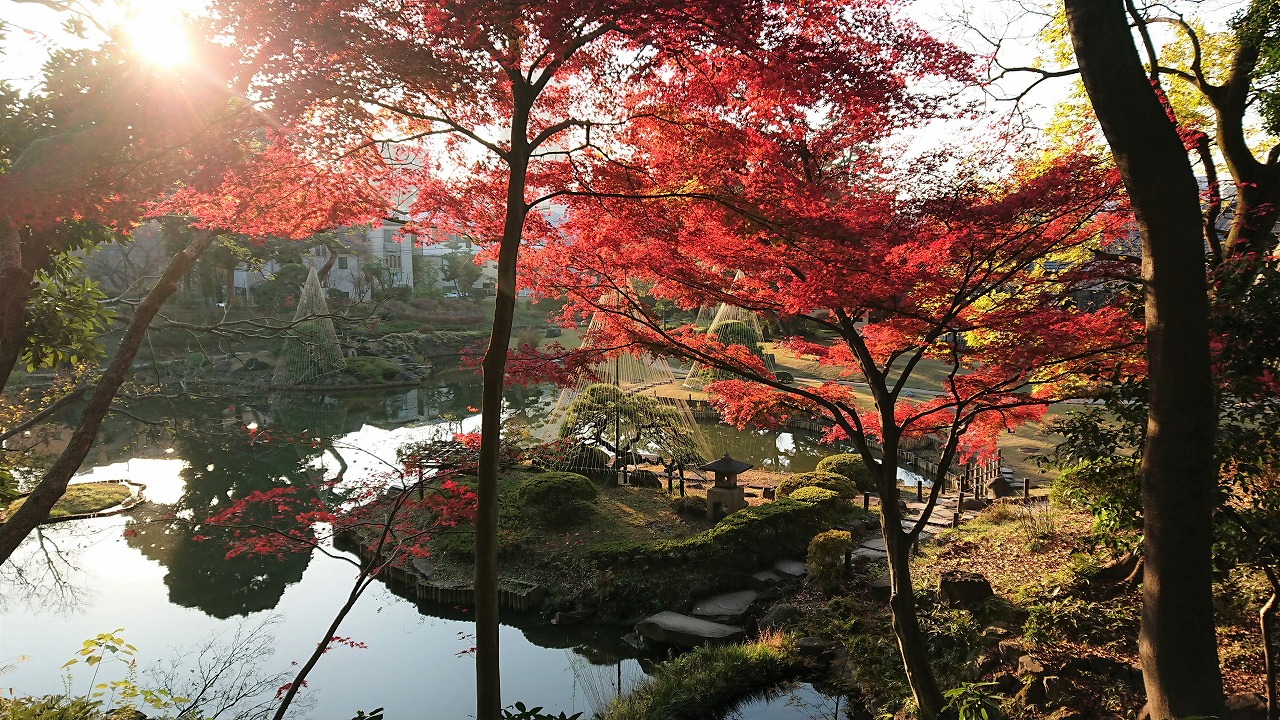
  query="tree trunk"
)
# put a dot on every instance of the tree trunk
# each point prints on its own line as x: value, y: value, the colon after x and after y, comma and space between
x: 902, y: 598
x: 1177, y: 641
x: 488, y: 675
x: 1267, y: 624
x: 15, y: 289
x: 54, y: 483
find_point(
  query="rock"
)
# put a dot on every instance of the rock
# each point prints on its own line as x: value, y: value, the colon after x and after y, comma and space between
x: 964, y: 589
x: 764, y: 580
x: 974, y: 504
x: 995, y: 632
x: 875, y: 544
x: 403, y: 377
x: 1031, y: 694
x: 982, y: 665
x: 253, y: 364
x: 816, y: 648
x: 881, y: 587
x: 1246, y: 706
x: 1010, y: 649
x: 1066, y: 713
x: 553, y: 332
x: 778, y: 616
x: 863, y: 556
x: 1006, y: 682
x: 728, y: 605
x: 1057, y: 690
x: 671, y: 628
x: 1029, y: 665
x: 794, y: 568
x: 424, y: 567
x: 1001, y: 488
x: 567, y: 618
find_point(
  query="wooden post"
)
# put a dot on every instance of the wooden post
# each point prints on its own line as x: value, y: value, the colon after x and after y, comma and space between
x: 960, y: 501
x: 1026, y: 488
x: 681, y: 469
x: 955, y: 519
x: 866, y: 499
x: 919, y: 491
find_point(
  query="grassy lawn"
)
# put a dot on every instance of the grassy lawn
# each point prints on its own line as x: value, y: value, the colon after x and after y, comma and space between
x: 84, y: 498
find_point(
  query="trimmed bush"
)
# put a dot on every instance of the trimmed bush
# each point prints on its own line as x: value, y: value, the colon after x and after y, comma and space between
x: 551, y: 489
x: 825, y: 560
x: 373, y: 369
x: 813, y: 494
x: 785, y: 377
x: 838, y: 484
x: 695, y: 505
x: 851, y: 466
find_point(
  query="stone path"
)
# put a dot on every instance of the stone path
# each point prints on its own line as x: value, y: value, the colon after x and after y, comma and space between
x: 672, y: 628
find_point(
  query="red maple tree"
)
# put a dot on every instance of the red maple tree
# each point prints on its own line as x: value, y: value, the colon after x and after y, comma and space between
x: 982, y: 265
x: 503, y: 99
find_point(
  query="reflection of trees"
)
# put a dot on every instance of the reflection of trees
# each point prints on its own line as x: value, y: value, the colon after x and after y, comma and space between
x: 224, y: 463
x: 44, y: 572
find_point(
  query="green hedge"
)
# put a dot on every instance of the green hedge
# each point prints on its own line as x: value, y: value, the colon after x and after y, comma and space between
x: 748, y: 538
x: 851, y: 466
x: 838, y: 484
x: 373, y: 368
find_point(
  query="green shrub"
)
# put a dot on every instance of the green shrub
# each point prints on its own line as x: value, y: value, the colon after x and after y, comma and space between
x: 838, y: 484
x: 397, y: 292
x: 825, y: 560
x: 851, y: 466
x: 554, y: 488
x: 814, y: 494
x: 391, y: 327
x: 1110, y: 490
x: 706, y: 682
x: 373, y: 369
x: 694, y: 505
x: 785, y: 377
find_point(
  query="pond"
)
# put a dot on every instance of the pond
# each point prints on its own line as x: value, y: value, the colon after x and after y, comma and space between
x: 148, y: 574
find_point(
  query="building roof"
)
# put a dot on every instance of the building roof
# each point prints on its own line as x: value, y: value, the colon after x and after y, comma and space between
x: 727, y: 465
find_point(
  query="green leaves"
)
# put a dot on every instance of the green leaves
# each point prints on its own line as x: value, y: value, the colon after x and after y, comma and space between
x: 65, y: 317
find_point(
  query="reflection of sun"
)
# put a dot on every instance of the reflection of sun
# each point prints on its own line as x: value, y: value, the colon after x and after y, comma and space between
x: 158, y: 39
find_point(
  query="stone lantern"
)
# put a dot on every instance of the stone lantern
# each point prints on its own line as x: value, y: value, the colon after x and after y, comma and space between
x: 726, y: 496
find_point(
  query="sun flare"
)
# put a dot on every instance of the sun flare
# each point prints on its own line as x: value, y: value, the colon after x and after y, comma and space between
x: 158, y: 39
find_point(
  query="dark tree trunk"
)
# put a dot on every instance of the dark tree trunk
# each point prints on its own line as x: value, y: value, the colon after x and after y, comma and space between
x: 1267, y: 624
x: 15, y: 289
x: 902, y: 597
x: 488, y: 675
x: 1177, y: 641
x: 54, y: 483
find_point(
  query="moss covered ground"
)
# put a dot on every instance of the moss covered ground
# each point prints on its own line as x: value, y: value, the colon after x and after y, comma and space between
x: 84, y: 498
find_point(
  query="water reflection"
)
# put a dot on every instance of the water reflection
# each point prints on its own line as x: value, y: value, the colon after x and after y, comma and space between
x: 166, y: 587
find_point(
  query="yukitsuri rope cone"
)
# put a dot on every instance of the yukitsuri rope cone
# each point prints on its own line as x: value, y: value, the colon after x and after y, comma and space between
x: 311, y: 353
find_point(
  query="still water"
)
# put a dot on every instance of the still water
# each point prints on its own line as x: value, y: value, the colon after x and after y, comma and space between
x: 148, y: 574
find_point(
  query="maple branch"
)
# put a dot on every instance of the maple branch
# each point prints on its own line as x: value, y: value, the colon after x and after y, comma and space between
x: 443, y: 119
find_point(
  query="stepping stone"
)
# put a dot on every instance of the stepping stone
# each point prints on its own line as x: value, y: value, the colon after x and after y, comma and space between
x: 867, y: 555
x: 794, y: 568
x: 726, y: 605
x: 675, y: 629
x: 875, y: 544
x: 765, y: 579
